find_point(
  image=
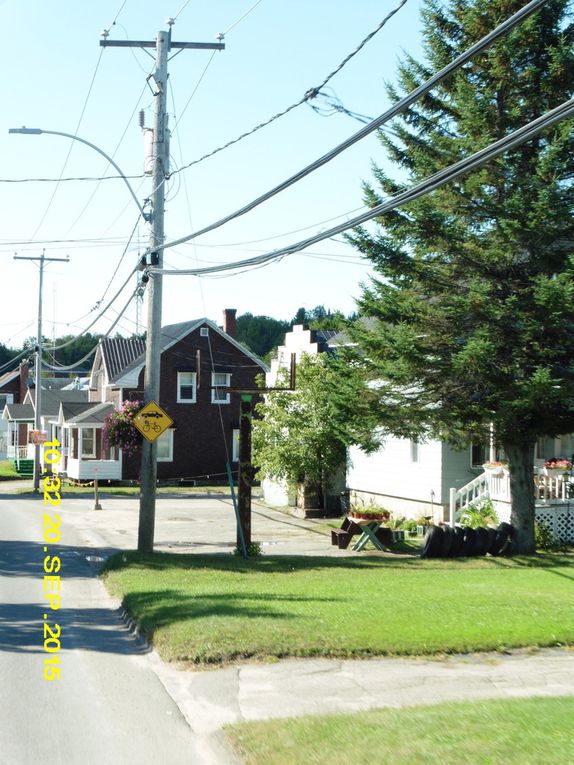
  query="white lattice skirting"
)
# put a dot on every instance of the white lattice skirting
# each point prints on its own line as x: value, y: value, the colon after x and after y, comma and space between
x: 559, y: 519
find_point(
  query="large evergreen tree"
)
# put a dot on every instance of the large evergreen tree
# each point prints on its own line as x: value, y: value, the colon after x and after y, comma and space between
x: 472, y: 303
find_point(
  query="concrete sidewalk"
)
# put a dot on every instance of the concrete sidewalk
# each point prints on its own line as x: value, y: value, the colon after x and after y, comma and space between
x: 211, y: 699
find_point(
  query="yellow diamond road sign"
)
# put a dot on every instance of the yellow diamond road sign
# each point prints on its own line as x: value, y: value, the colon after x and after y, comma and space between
x: 151, y: 421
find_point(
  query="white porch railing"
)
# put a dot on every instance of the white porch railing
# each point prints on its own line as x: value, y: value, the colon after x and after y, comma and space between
x: 460, y: 498
x: 550, y: 492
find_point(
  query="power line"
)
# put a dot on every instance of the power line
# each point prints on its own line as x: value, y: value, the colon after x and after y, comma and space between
x: 517, y: 137
x: 97, y: 178
x: 243, y: 16
x: 119, y: 143
x: 69, y: 367
x: 98, y: 317
x: 310, y: 93
x: 122, y: 256
x: 86, y: 100
x: 396, y: 109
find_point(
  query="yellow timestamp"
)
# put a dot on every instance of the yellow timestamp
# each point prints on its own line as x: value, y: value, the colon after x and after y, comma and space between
x: 52, y: 564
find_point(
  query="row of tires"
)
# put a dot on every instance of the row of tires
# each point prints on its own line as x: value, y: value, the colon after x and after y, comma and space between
x: 463, y: 542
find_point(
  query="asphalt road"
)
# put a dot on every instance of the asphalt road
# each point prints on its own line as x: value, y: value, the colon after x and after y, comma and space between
x: 108, y: 705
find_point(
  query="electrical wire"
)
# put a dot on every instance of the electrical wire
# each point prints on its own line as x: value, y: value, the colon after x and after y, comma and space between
x: 396, y: 109
x: 98, y: 317
x: 240, y: 19
x: 310, y: 93
x: 119, y: 143
x: 18, y: 357
x: 193, y: 92
x: 435, y: 181
x: 183, y: 7
x: 101, y: 300
x: 97, y: 178
x: 86, y: 100
x: 69, y: 367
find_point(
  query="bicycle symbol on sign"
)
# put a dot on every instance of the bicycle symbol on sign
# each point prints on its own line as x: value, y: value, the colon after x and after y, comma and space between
x: 151, y: 425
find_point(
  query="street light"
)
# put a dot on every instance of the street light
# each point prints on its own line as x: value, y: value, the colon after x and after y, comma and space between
x: 39, y: 131
x: 146, y: 217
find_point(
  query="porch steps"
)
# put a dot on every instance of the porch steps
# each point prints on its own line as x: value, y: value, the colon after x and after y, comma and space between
x: 24, y: 467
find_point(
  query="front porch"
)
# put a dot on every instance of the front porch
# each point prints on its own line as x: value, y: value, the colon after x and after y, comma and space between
x: 87, y: 470
x: 554, y: 505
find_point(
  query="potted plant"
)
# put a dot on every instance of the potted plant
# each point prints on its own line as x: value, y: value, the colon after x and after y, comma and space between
x: 495, y: 467
x: 557, y: 466
x: 369, y: 513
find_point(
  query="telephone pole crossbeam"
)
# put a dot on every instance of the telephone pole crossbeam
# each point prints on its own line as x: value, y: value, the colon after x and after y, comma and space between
x: 162, y: 44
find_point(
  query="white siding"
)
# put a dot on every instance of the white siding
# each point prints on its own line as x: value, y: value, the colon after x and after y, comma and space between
x: 391, y: 472
x: 456, y: 470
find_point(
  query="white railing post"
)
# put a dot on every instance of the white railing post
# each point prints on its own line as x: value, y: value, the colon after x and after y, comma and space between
x: 452, y: 508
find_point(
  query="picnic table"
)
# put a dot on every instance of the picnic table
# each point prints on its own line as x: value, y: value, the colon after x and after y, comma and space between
x: 367, y: 529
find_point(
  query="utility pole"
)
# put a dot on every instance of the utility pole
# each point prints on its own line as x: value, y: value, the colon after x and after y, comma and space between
x: 38, y: 387
x: 163, y: 45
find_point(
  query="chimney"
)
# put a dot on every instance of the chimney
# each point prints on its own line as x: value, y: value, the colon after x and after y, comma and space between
x: 23, y: 380
x: 229, y: 323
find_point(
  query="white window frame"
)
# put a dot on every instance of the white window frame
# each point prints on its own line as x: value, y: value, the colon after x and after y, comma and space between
x: 166, y: 435
x: 180, y: 384
x: 235, y: 445
x: 215, y: 386
x: 83, y: 453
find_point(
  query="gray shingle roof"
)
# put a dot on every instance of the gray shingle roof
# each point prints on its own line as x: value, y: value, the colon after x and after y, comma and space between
x: 120, y: 352
x: 89, y: 412
x: 19, y: 411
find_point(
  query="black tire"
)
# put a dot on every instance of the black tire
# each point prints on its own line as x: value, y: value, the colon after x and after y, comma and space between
x: 491, y: 540
x: 457, y: 540
x: 432, y: 542
x: 503, y: 544
x: 481, y: 541
x: 446, y: 542
x: 467, y: 547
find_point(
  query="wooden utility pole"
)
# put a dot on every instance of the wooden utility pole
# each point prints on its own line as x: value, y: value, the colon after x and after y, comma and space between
x: 163, y: 45
x: 245, y: 474
x: 38, y: 373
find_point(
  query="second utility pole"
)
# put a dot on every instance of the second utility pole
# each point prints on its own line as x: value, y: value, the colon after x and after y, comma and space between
x: 38, y: 374
x: 163, y: 44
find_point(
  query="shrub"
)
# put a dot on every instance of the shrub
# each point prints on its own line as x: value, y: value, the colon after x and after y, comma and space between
x: 479, y: 515
x: 546, y: 540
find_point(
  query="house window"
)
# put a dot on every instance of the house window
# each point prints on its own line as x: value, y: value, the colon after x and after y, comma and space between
x: 186, y: 387
x: 204, y: 332
x: 88, y: 442
x: 165, y: 446
x: 235, y: 445
x: 220, y: 381
x: 414, y: 450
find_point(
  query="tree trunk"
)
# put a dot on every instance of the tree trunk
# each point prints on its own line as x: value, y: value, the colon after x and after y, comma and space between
x: 521, y: 467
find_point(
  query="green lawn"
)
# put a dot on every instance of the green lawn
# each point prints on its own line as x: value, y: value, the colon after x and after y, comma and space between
x: 533, y: 731
x: 8, y: 471
x: 216, y: 609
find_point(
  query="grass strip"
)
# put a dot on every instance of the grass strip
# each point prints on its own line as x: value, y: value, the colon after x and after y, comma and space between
x: 221, y: 608
x: 8, y: 471
x: 532, y: 731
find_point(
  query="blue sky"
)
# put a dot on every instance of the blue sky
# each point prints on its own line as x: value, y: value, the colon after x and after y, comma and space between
x: 58, y: 78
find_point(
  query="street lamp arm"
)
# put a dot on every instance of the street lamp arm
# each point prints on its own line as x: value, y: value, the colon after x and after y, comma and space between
x: 39, y: 131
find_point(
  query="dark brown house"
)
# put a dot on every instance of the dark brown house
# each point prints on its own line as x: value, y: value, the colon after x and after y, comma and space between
x: 199, y: 362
